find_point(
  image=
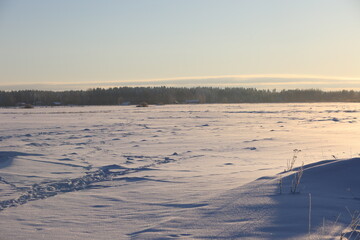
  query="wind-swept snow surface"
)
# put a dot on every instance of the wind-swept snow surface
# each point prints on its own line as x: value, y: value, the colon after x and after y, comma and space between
x: 178, y: 171
x: 324, y: 208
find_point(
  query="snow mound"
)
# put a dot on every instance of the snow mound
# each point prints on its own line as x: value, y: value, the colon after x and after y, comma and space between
x: 327, y: 200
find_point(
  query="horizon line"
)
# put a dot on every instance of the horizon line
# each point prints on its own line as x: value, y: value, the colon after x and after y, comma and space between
x: 254, y: 80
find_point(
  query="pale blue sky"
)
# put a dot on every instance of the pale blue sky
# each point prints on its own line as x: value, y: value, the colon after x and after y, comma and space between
x: 79, y: 44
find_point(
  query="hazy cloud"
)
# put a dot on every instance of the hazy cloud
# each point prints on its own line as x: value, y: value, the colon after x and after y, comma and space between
x: 279, y: 81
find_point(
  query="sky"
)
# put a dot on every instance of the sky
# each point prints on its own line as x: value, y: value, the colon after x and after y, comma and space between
x: 282, y: 44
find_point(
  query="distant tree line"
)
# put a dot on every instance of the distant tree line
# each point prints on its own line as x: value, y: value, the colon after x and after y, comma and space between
x: 171, y: 95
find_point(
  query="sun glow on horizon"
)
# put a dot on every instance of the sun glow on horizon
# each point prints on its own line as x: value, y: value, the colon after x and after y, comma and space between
x: 284, y: 81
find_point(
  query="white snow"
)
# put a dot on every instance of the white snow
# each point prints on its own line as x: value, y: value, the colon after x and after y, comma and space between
x: 178, y: 171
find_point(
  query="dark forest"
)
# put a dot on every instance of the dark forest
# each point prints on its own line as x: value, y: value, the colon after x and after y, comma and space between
x: 171, y: 95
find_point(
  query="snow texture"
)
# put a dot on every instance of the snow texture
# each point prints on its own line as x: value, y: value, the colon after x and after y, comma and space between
x: 180, y: 172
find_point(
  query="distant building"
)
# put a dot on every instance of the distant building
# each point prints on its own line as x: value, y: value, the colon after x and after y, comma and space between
x: 143, y: 104
x: 20, y: 104
x: 28, y: 105
x: 125, y: 103
x: 192, y: 101
x: 24, y: 105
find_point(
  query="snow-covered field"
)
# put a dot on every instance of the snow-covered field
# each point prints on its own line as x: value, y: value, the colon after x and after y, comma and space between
x: 179, y: 171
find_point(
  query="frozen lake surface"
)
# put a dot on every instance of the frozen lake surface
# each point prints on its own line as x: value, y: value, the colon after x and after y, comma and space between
x: 162, y: 172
